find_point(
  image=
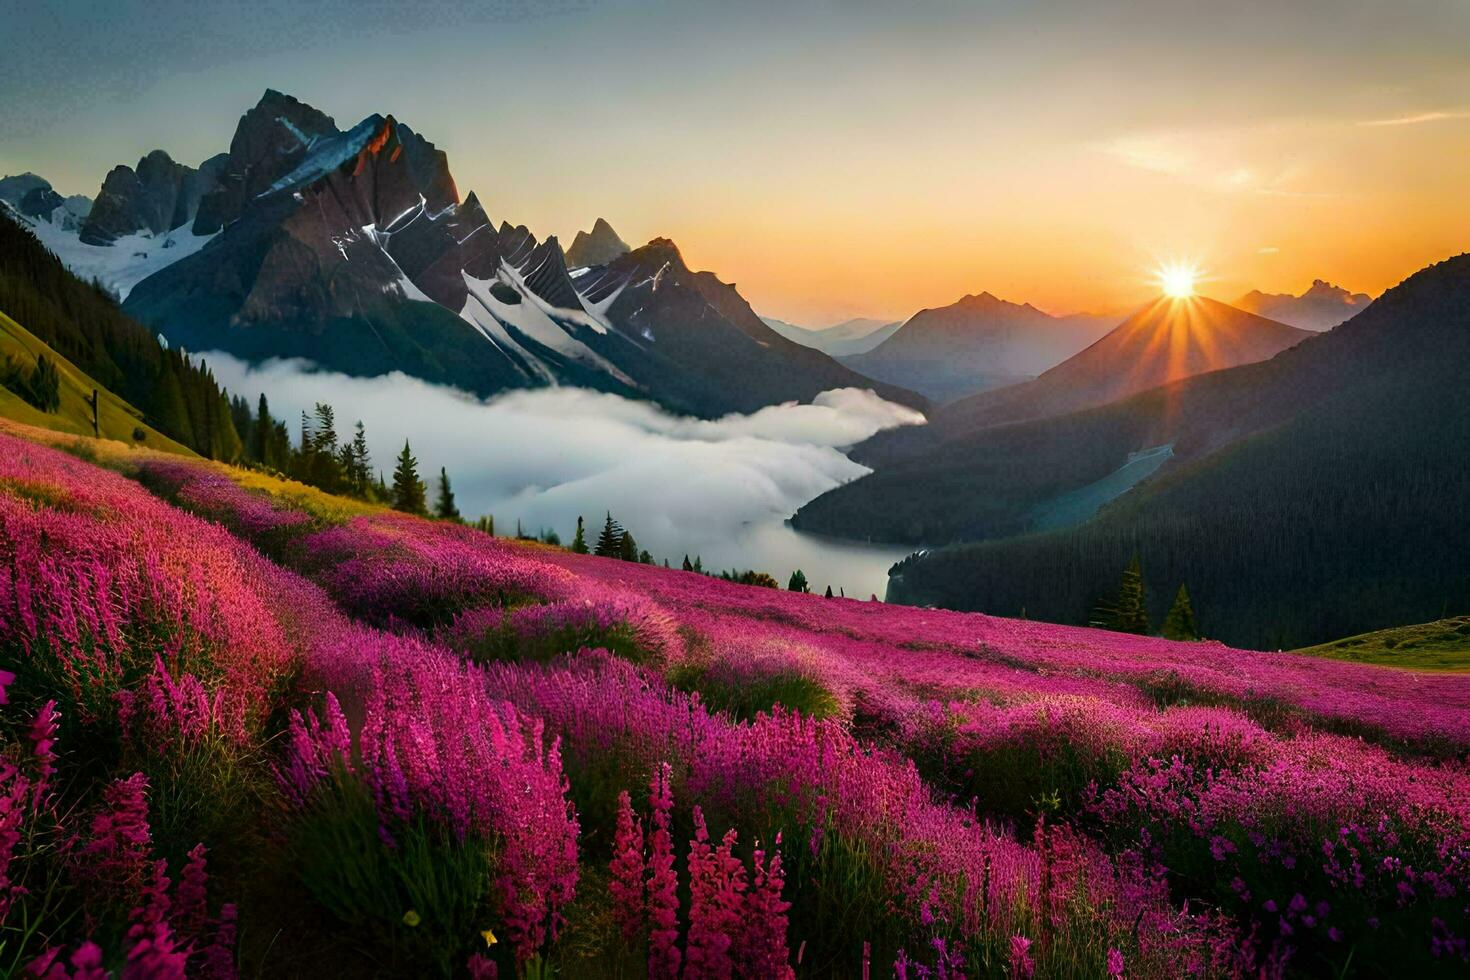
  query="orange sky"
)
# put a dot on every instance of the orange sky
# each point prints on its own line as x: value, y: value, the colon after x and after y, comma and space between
x: 837, y: 157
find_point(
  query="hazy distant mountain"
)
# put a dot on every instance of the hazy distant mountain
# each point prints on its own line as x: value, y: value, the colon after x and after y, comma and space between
x: 1339, y: 453
x: 1163, y: 342
x: 597, y: 247
x: 855, y: 336
x: 1321, y: 307
x: 978, y: 343
x: 352, y: 248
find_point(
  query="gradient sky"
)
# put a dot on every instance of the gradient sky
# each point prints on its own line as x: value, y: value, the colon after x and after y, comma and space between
x: 836, y: 159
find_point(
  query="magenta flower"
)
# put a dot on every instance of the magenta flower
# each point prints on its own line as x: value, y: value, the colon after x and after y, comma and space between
x: 1115, y: 963
x: 663, y: 886
x: 1020, y: 957
x: 626, y: 883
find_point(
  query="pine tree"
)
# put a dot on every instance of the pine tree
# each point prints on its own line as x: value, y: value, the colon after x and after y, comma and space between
x: 579, y: 543
x: 265, y: 429
x: 408, y: 489
x: 444, y: 507
x: 1180, y: 624
x: 357, y: 461
x: 628, y: 548
x: 644, y: 558
x: 698, y: 565
x: 829, y: 592
x: 798, y: 582
x: 688, y: 565
x: 610, y: 541
x: 1131, y: 609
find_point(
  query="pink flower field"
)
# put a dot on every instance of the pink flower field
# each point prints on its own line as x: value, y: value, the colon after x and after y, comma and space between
x: 242, y: 737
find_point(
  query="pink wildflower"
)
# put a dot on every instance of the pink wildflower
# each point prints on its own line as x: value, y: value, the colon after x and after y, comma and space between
x: 1022, y: 965
x: 663, y: 885
x: 627, y: 884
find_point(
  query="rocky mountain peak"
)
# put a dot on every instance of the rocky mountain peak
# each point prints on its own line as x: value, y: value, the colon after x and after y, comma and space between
x: 598, y: 247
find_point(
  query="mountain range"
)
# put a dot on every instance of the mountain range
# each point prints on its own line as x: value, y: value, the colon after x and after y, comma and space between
x: 353, y: 249
x: 975, y: 344
x: 1166, y: 340
x: 1311, y: 495
x: 1322, y: 307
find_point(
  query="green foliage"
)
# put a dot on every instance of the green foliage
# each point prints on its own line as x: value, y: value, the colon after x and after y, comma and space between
x: 610, y: 541
x: 1180, y: 623
x: 503, y: 643
x: 1441, y: 645
x: 579, y: 541
x: 408, y: 489
x: 798, y: 582
x: 745, y: 697
x: 421, y: 903
x: 41, y: 386
x: 1125, y: 611
x: 748, y: 577
x: 486, y: 523
x: 444, y: 507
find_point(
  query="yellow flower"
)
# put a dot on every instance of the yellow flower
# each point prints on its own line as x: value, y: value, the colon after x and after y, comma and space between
x: 489, y: 935
x: 411, y: 918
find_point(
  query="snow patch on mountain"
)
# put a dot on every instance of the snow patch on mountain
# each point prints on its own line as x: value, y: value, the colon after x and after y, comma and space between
x: 123, y: 264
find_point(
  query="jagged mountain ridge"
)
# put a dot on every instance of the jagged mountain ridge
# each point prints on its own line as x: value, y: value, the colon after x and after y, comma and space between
x: 351, y: 248
x: 1321, y: 307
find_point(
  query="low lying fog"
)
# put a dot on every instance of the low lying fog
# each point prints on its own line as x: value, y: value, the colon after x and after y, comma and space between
x: 720, y: 489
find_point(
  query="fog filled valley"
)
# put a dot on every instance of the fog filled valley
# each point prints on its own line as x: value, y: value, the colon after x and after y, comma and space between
x: 581, y: 491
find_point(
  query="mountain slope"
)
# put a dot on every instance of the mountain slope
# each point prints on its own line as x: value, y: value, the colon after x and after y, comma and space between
x: 1315, y: 495
x: 700, y: 337
x: 116, y: 419
x: 1161, y: 343
x: 978, y: 343
x: 1322, y: 307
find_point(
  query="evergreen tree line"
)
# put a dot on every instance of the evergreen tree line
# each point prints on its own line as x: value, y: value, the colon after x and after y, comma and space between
x: 82, y: 322
x: 1126, y: 610
x: 322, y: 458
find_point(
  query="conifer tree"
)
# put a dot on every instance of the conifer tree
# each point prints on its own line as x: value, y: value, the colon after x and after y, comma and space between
x: 358, y: 473
x: 610, y: 541
x: 579, y: 543
x: 688, y: 565
x: 798, y: 582
x: 829, y: 592
x: 1180, y: 623
x: 698, y: 565
x: 265, y: 428
x: 408, y: 489
x: 627, y: 547
x: 644, y: 558
x: 444, y: 507
x: 1131, y: 609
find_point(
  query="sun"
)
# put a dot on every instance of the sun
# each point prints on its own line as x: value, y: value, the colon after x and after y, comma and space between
x: 1177, y: 279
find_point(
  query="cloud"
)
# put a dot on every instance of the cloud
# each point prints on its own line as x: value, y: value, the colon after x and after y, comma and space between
x: 720, y: 488
x: 1415, y: 119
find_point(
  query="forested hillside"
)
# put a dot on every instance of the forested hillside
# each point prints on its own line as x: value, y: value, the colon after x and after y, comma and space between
x: 81, y: 322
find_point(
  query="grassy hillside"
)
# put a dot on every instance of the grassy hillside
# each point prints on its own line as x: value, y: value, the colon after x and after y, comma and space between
x: 1441, y: 645
x: 116, y: 418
